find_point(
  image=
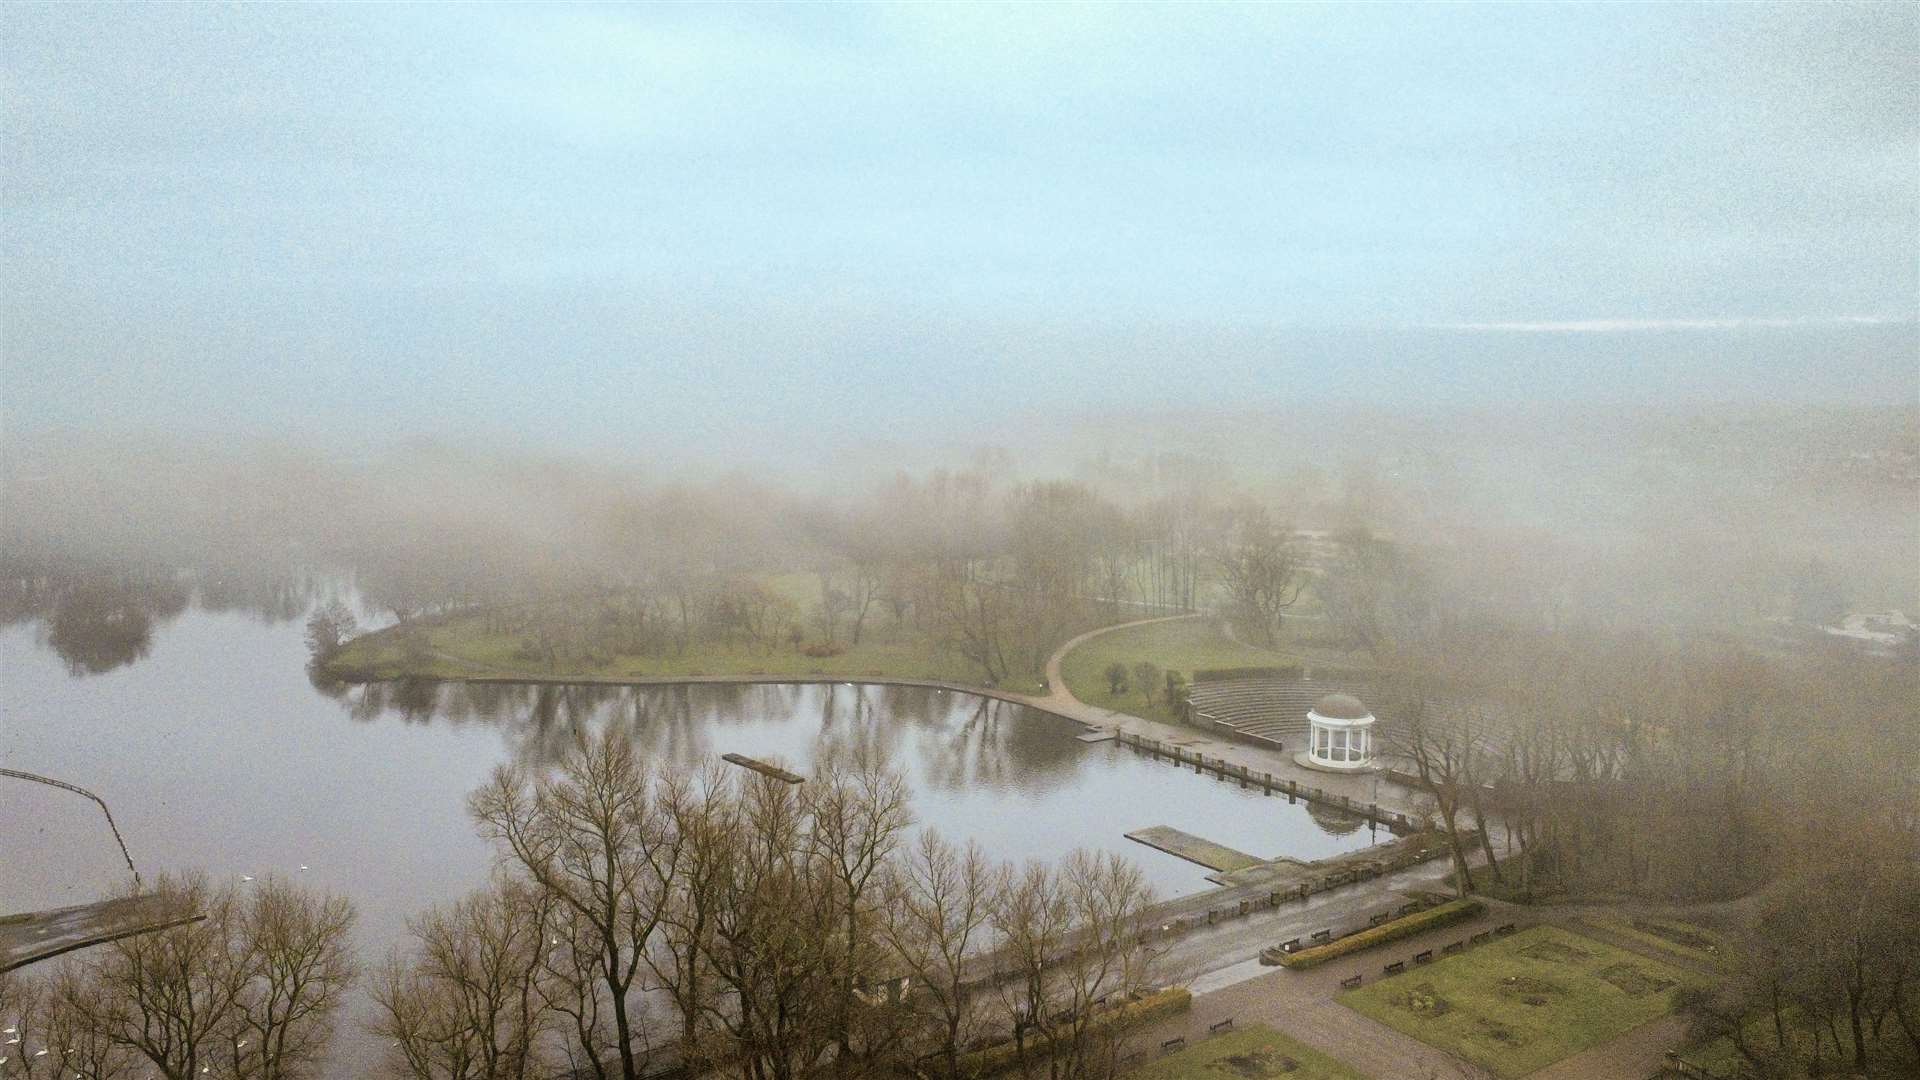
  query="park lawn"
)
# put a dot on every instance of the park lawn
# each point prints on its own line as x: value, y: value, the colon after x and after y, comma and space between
x: 1250, y: 1053
x: 1676, y: 936
x: 462, y: 647
x: 1183, y: 645
x: 1518, y: 1004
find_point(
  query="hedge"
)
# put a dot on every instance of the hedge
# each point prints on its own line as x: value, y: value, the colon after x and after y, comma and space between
x: 1446, y: 914
x: 1226, y: 674
x: 1000, y: 1057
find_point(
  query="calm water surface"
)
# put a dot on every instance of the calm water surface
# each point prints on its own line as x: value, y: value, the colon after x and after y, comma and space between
x: 215, y: 750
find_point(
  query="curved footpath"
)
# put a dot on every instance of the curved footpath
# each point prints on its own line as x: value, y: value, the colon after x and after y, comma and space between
x: 1058, y: 700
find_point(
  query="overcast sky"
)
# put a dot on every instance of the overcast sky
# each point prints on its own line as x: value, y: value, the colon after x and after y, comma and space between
x: 599, y: 225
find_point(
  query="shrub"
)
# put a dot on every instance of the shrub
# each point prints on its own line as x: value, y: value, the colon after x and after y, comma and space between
x: 824, y: 649
x: 1161, y: 1003
x: 1446, y: 914
x: 1146, y: 678
x: 1116, y: 677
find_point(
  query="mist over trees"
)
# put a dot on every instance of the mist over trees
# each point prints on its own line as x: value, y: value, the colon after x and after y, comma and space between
x: 1692, y: 521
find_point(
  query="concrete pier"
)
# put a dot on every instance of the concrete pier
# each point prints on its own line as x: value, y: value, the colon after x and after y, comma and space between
x: 1216, y: 857
x: 763, y: 768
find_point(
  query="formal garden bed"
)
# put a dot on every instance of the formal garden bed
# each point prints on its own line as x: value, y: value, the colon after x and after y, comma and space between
x: 1517, y: 1004
x: 1250, y: 1053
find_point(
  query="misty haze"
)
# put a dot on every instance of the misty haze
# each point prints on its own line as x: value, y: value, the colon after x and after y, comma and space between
x: 1200, y: 542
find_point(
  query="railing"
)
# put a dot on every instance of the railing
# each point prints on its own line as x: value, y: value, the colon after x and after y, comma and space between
x: 77, y: 790
x: 1400, y: 824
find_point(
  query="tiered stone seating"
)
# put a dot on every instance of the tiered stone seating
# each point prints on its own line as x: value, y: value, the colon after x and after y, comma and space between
x: 1274, y: 709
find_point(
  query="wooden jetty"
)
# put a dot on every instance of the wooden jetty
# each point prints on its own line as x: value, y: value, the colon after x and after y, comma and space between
x: 763, y: 768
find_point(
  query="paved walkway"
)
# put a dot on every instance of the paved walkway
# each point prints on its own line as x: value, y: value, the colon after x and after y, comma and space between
x: 1367, y: 788
x: 1301, y: 1004
x: 1058, y: 700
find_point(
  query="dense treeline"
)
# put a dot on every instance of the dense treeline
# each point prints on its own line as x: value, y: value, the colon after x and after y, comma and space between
x: 1677, y: 770
x: 1782, y: 793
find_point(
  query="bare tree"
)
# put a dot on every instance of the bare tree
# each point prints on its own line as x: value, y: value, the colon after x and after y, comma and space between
x: 252, y: 989
x: 1071, y: 942
x: 1258, y: 567
x: 939, y: 905
x: 328, y: 628
x: 770, y: 947
x: 857, y: 811
x: 593, y: 838
x: 298, y: 964
x: 468, y: 1003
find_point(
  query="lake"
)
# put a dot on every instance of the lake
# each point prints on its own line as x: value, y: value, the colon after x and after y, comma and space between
x: 216, y: 750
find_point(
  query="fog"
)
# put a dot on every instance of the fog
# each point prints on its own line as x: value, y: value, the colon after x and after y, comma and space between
x: 1697, y: 519
x: 1006, y: 414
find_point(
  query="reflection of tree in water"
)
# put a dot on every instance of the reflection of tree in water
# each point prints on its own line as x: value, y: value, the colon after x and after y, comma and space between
x: 97, y: 625
x: 1334, y: 821
x: 98, y: 616
x: 272, y: 595
x: 946, y: 741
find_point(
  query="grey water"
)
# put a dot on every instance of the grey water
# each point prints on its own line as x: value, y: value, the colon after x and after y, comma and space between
x: 216, y: 750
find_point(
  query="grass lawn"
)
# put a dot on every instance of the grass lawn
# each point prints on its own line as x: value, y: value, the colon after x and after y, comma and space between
x: 1251, y: 1053
x: 1184, y: 645
x: 1518, y: 1004
x: 462, y: 646
x: 1667, y: 935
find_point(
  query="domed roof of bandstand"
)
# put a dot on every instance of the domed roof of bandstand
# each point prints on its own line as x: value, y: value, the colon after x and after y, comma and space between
x: 1341, y: 707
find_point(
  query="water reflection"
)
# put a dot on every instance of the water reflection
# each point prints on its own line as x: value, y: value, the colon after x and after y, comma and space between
x: 1014, y: 778
x: 98, y: 617
x: 952, y: 740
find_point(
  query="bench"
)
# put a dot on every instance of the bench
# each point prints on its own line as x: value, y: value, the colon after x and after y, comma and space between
x: 1291, y: 945
x: 1504, y: 930
x: 1458, y: 946
x: 1173, y: 1044
x: 1323, y: 935
x: 1224, y: 1025
x: 1350, y: 983
x: 1396, y: 967
x: 1423, y: 957
x: 1377, y: 919
x: 1481, y: 936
